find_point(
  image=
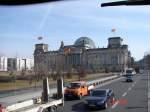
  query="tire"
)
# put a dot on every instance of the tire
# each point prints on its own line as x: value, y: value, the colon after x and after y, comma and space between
x: 105, y: 105
x: 45, y: 110
x: 53, y: 109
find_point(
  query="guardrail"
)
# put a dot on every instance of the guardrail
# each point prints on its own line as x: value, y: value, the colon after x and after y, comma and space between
x: 101, y: 81
x: 20, y: 105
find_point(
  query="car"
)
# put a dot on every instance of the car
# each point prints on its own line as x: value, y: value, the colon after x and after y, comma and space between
x: 76, y: 89
x: 129, y: 78
x: 100, y: 98
x: 130, y: 71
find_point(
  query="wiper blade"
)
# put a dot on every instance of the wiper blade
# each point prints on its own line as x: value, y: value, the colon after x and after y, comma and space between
x: 131, y: 2
x: 26, y: 2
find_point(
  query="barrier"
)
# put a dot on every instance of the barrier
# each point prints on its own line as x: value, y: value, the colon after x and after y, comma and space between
x: 101, y: 81
x: 19, y: 105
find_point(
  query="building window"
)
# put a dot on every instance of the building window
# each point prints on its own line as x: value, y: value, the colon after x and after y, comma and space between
x: 114, y: 60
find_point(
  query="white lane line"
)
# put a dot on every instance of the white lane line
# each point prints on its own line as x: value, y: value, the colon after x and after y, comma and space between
x: 117, y: 102
x: 124, y: 94
x: 133, y: 85
x: 129, y: 89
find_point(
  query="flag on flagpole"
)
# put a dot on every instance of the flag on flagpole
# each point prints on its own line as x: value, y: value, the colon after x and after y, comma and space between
x: 113, y: 30
x: 40, y: 38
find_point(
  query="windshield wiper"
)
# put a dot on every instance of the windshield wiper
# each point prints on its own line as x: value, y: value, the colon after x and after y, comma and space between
x: 26, y: 2
x: 128, y: 2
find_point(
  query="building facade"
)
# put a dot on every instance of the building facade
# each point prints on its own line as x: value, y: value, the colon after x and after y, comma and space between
x: 3, y: 63
x: 82, y: 55
x: 18, y: 64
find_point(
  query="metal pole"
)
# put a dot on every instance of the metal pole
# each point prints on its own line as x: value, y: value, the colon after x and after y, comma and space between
x: 60, y: 89
x: 46, y: 91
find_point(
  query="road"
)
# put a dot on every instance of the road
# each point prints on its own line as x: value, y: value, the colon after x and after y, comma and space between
x: 130, y: 97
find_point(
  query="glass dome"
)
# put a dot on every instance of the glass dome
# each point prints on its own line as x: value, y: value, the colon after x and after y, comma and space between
x: 85, y: 42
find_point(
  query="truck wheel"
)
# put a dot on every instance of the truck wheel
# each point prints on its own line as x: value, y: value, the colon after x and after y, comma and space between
x: 53, y: 109
x: 45, y: 110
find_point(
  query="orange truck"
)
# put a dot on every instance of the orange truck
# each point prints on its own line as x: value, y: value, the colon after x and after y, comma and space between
x: 77, y: 89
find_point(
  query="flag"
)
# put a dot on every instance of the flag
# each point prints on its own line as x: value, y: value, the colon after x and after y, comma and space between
x: 113, y: 30
x: 40, y: 38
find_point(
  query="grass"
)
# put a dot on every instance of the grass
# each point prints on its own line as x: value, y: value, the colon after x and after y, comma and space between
x: 25, y: 84
x: 4, y: 74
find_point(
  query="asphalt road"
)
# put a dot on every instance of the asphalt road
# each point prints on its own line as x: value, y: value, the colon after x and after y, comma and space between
x: 130, y: 97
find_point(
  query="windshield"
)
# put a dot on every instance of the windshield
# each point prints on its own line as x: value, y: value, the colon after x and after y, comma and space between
x: 77, y: 41
x: 129, y: 71
x: 99, y: 93
x: 74, y: 85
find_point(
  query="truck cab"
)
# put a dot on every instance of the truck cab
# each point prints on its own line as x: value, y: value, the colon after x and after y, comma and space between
x: 130, y: 71
x: 76, y: 89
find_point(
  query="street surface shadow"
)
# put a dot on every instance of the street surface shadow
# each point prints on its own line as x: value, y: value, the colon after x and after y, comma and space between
x: 71, y: 99
x: 135, y: 107
x: 79, y: 107
x: 124, y: 81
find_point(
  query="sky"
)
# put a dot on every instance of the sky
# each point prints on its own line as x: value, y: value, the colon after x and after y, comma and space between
x: 21, y: 25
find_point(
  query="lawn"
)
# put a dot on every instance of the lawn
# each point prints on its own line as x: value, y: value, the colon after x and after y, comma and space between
x: 25, y: 84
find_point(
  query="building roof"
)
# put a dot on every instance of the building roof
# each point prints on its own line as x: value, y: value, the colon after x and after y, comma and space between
x: 85, y: 42
x: 114, y: 38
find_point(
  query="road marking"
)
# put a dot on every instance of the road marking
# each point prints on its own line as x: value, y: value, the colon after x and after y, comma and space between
x: 133, y: 85
x: 124, y: 94
x: 129, y: 89
x: 117, y: 102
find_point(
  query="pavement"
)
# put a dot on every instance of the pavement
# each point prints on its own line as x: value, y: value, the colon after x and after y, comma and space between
x: 130, y: 97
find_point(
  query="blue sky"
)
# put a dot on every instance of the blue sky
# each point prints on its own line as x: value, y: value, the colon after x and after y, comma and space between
x: 67, y: 21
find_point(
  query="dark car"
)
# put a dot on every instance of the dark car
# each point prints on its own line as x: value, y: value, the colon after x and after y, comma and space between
x: 129, y: 78
x: 100, y: 98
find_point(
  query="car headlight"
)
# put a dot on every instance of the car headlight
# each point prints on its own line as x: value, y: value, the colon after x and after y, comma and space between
x: 100, y: 102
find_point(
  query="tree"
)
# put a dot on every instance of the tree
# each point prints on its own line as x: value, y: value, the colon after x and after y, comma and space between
x: 70, y: 73
x: 81, y: 73
x: 147, y: 61
x: 12, y: 76
x: 31, y: 76
x: 23, y: 72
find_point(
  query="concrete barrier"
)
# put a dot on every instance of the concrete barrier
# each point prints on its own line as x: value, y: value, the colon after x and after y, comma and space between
x: 100, y: 81
x: 19, y: 105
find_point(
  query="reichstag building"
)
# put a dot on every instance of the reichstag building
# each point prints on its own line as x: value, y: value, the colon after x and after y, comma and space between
x: 82, y: 55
